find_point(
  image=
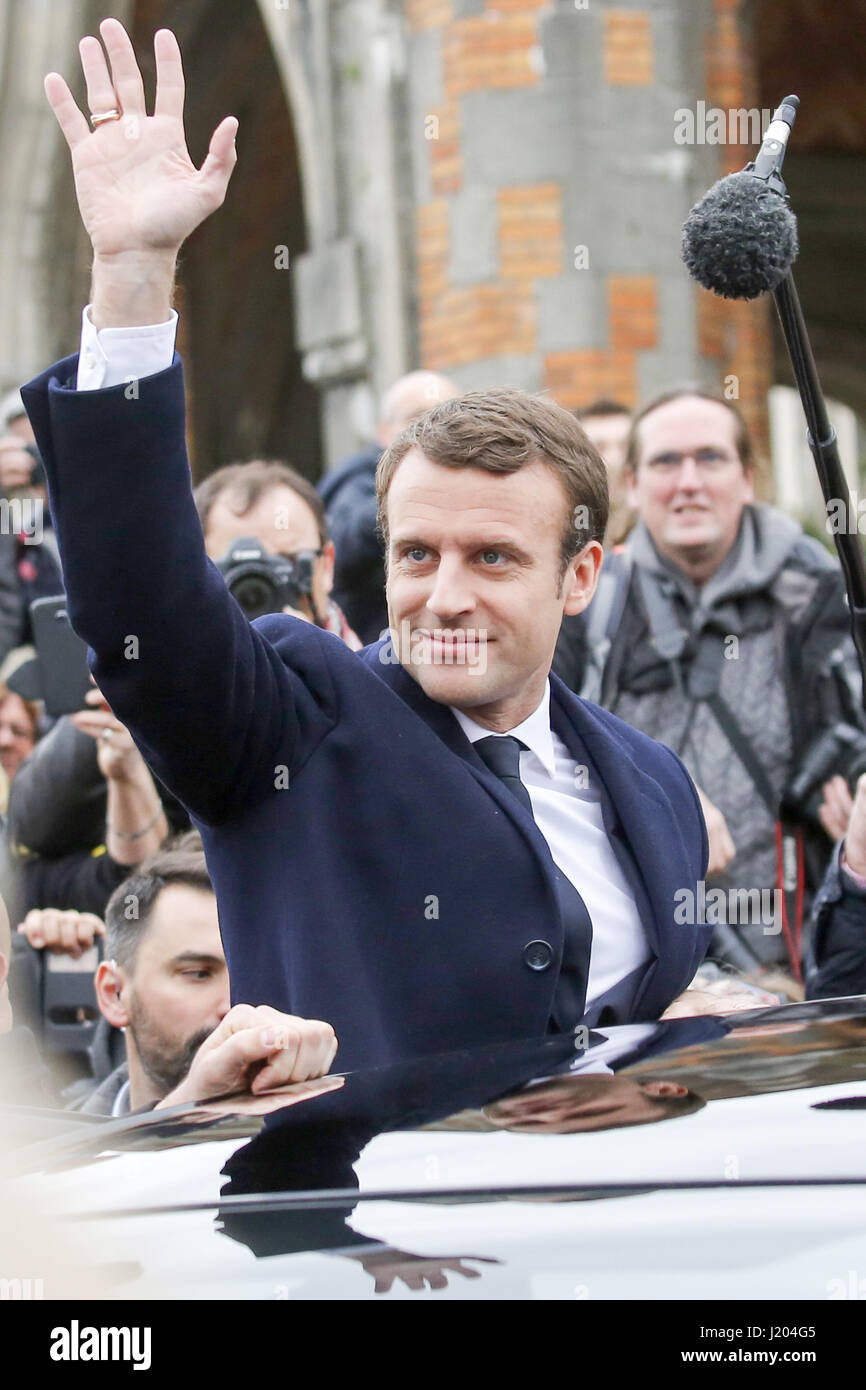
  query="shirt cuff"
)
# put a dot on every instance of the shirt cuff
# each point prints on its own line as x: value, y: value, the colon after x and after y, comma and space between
x: 113, y: 356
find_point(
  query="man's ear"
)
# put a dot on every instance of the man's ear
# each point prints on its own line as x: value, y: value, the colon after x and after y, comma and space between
x: 581, y: 578
x: 109, y: 982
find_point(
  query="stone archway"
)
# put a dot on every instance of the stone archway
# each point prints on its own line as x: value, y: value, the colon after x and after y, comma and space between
x: 247, y: 396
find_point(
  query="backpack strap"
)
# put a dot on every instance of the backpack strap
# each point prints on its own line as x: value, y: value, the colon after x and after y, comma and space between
x: 667, y: 636
x: 745, y: 751
x: 603, y: 620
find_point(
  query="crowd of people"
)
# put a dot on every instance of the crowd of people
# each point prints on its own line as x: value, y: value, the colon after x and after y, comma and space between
x: 88, y: 828
x: 715, y: 628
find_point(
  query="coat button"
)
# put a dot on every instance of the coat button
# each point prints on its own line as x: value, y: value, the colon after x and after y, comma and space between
x: 538, y: 955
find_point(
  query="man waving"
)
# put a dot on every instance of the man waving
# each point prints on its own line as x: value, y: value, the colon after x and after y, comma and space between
x: 430, y: 843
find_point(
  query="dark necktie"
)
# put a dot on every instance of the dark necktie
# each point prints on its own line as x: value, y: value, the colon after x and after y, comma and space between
x: 501, y: 753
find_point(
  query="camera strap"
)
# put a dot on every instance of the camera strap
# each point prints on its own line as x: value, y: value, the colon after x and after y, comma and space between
x: 790, y: 870
x: 603, y: 619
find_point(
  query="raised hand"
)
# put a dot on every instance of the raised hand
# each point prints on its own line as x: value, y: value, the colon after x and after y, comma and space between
x: 138, y: 189
x: 61, y: 931
x: 117, y: 755
x: 139, y: 193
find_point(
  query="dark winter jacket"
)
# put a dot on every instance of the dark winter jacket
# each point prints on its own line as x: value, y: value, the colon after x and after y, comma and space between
x: 769, y: 633
x: 349, y: 495
x: 55, y: 828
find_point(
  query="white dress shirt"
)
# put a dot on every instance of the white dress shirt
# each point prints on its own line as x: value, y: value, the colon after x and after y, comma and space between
x: 117, y: 355
x: 601, y: 1057
x: 569, y: 816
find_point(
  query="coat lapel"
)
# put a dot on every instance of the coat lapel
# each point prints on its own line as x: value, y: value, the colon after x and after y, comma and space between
x: 439, y: 718
x: 380, y: 657
x: 637, y: 811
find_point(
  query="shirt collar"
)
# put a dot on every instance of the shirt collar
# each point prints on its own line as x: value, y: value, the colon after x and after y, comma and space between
x: 535, y: 731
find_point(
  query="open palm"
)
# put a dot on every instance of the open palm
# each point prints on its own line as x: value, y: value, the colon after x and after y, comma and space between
x: 138, y: 190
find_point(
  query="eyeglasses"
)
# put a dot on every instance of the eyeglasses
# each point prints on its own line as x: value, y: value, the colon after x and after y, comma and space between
x: 707, y: 460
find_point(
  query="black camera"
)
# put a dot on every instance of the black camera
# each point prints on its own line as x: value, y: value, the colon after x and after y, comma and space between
x: 840, y: 749
x: 264, y: 583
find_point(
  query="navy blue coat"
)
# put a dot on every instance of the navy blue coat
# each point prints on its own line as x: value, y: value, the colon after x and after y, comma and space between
x: 393, y: 885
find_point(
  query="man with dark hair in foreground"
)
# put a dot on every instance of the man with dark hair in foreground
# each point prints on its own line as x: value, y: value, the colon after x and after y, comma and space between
x: 164, y: 982
x: 430, y: 843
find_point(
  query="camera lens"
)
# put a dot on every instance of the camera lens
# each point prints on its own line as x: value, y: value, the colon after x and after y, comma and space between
x: 254, y: 594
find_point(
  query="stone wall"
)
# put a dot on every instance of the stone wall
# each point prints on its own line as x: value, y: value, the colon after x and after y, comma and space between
x: 551, y: 191
x: 492, y: 188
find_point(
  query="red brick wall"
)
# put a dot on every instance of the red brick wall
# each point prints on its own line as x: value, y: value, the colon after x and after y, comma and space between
x: 628, y: 50
x: 736, y: 334
x: 462, y: 324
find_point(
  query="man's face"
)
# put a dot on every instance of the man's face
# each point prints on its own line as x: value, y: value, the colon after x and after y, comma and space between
x: 609, y: 433
x: 580, y: 1104
x: 17, y: 735
x: 690, y: 486
x: 283, y: 523
x: 178, y: 990
x: 475, y: 600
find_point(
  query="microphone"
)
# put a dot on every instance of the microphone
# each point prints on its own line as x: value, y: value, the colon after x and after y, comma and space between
x: 775, y: 143
x: 740, y: 240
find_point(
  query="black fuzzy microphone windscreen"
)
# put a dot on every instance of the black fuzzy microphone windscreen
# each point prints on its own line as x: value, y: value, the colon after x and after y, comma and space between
x: 740, y: 240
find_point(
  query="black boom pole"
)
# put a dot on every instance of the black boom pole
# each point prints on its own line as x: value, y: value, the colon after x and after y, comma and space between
x: 825, y: 451
x: 739, y: 242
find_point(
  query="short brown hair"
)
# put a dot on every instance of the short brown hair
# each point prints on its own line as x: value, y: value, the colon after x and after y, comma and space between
x: 179, y: 861
x: 250, y: 481
x: 501, y: 431
x: 743, y: 439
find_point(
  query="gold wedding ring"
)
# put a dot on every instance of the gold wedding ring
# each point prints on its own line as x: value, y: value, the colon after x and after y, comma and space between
x: 100, y: 117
